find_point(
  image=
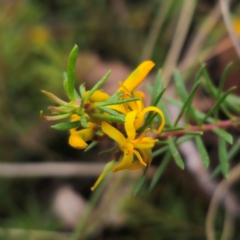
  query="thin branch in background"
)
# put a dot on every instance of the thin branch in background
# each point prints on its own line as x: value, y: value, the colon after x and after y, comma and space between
x: 192, y: 54
x: 155, y: 29
x: 221, y: 192
x: 225, y: 4
x: 178, y: 39
x: 32, y: 234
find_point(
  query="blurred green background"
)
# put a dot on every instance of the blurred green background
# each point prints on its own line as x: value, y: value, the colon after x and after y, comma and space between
x: 35, y: 40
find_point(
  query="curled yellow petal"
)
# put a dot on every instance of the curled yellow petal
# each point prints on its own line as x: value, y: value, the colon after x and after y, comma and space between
x: 139, y: 158
x: 113, y: 133
x: 157, y: 110
x: 125, y: 163
x: 138, y: 75
x: 129, y: 125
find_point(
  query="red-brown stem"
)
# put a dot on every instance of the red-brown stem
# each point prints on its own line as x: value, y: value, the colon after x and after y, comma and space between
x: 203, y: 128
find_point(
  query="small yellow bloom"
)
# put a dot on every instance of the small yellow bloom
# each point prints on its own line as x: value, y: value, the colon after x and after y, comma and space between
x: 78, y: 138
x: 130, y: 145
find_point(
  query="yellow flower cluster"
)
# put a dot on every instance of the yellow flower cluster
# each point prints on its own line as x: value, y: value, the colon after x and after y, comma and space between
x: 134, y: 147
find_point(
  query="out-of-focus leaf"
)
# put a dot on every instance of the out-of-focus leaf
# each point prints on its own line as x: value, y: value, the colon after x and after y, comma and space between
x: 187, y: 103
x: 222, y: 154
x: 231, y: 153
x: 90, y: 146
x: 66, y: 126
x: 160, y: 170
x: 223, y: 134
x: 109, y: 118
x: 203, y: 152
x: 98, y: 85
x: 175, y: 153
x: 157, y: 89
x: 72, y: 71
x: 140, y: 184
x: 218, y: 103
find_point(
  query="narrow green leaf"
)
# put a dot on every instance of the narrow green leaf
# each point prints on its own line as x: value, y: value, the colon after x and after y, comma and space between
x: 110, y: 150
x: 90, y: 146
x: 160, y: 170
x: 66, y: 125
x: 231, y: 153
x: 165, y: 113
x: 109, y: 118
x: 98, y: 85
x: 203, y: 152
x: 157, y: 89
x: 173, y: 129
x: 82, y: 90
x: 207, y: 83
x: 222, y: 154
x: 112, y: 112
x: 72, y: 71
x: 102, y: 104
x: 115, y: 97
x: 217, y: 104
x: 175, y: 153
x: 223, y: 79
x: 159, y: 151
x: 84, y: 121
x: 187, y: 102
x: 180, y: 85
x: 140, y: 184
x: 223, y: 134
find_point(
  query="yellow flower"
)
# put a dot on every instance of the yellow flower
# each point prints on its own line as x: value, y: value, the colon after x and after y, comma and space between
x: 129, y: 145
x: 78, y: 138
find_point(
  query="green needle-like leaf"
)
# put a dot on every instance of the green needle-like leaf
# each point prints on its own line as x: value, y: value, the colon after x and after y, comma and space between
x: 109, y: 118
x: 112, y: 112
x: 203, y: 152
x: 223, y: 134
x: 187, y: 102
x: 72, y: 71
x: 175, y: 153
x: 157, y: 89
x: 140, y: 183
x: 66, y: 125
x: 218, y: 103
x: 82, y: 90
x: 160, y: 170
x: 98, y: 85
x: 90, y: 146
x: 222, y: 153
x: 102, y: 104
x: 231, y: 153
x: 180, y: 85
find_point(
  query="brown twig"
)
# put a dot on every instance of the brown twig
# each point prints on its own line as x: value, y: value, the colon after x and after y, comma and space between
x: 203, y: 128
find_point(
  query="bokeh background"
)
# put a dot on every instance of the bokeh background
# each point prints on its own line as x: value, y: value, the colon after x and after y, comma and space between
x: 35, y: 40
